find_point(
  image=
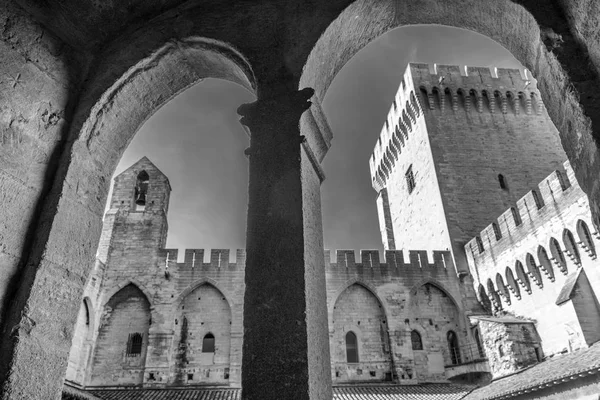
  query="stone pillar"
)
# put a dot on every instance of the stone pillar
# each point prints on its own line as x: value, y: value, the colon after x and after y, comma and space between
x: 286, y: 347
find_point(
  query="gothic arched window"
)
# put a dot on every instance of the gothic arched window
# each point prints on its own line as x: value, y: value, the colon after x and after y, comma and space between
x: 208, y: 343
x: 141, y: 190
x: 453, y: 348
x: 415, y: 338
x: 351, y: 347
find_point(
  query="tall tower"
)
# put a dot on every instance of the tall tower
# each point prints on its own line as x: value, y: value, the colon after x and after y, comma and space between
x: 459, y: 146
x: 137, y: 217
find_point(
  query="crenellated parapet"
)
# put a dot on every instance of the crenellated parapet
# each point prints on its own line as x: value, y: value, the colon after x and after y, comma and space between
x: 393, y: 260
x: 213, y: 259
x: 403, y: 119
x: 553, y: 192
x: 396, y: 262
x: 450, y: 88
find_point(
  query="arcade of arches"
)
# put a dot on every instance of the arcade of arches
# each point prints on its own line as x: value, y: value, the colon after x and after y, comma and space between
x: 80, y: 77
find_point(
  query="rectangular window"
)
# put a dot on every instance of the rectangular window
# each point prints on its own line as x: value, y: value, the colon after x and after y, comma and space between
x: 410, y: 179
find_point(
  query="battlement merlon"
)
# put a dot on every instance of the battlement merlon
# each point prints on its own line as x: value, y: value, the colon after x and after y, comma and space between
x: 394, y: 261
x: 195, y: 258
x: 454, y: 76
x: 550, y: 192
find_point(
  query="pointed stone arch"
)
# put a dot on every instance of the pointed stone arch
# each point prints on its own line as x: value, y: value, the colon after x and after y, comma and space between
x: 346, y: 285
x: 109, y: 293
x: 202, y: 311
x: 358, y: 313
x: 202, y: 281
x: 438, y: 285
x: 126, y: 316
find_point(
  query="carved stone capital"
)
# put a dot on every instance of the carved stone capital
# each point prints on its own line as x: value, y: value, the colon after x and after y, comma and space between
x: 279, y: 111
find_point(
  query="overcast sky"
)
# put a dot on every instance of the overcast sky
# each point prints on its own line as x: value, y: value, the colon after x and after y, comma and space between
x: 196, y: 140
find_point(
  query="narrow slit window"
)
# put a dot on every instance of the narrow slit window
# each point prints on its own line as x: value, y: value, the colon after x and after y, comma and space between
x: 536, y: 198
x: 479, y: 244
x: 87, y: 313
x: 516, y: 216
x: 410, y: 179
x: 502, y: 181
x: 497, y: 232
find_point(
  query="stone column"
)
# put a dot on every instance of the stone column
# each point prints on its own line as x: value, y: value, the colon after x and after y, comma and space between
x: 286, y: 347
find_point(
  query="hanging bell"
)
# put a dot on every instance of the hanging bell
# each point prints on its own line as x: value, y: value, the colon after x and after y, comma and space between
x: 141, y: 199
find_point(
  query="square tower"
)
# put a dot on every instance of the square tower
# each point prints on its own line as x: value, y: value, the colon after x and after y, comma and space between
x: 459, y: 146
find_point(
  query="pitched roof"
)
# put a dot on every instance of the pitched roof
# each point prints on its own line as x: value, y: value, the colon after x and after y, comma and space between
x: 548, y: 373
x: 427, y: 391
x: 504, y: 320
x: 432, y: 391
x: 144, y: 161
x: 567, y: 290
x: 169, y: 394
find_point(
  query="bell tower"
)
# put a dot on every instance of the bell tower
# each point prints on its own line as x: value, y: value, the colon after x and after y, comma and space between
x: 137, y: 217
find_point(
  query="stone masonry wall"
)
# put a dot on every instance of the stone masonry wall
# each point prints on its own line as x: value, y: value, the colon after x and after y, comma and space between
x: 204, y: 293
x: 126, y: 313
x: 509, y: 347
x: 481, y: 126
x: 357, y: 310
x: 417, y: 218
x: 419, y: 294
x: 35, y: 89
x: 562, y: 206
x: 205, y: 311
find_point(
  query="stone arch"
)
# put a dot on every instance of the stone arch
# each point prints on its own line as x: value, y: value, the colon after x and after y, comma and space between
x: 363, y: 21
x: 109, y: 293
x: 484, y: 298
x: 585, y: 238
x: 533, y: 269
x: 557, y: 256
x: 571, y: 247
x: 512, y: 284
x: 545, y: 263
x: 81, y: 342
x: 196, y: 284
x: 125, y: 314
x: 204, y: 310
x: 435, y: 311
x: 502, y: 288
x: 495, y: 297
x: 522, y: 277
x: 358, y: 310
x: 438, y: 285
x: 346, y: 285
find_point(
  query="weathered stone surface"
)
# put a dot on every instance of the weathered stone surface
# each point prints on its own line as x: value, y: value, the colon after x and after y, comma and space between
x: 74, y: 135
